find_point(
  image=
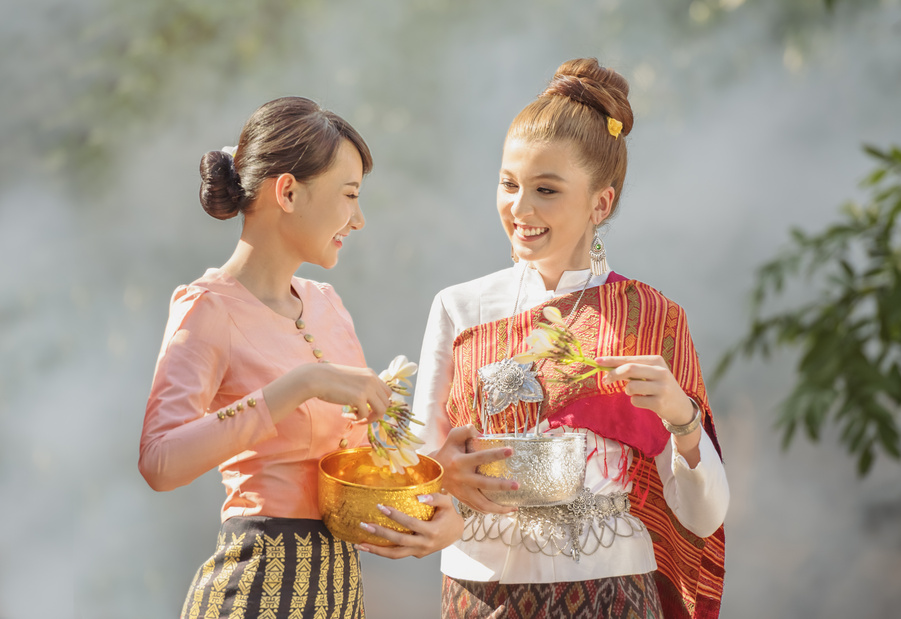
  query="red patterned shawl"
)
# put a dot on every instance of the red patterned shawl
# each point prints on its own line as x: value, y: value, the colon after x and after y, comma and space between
x: 622, y: 317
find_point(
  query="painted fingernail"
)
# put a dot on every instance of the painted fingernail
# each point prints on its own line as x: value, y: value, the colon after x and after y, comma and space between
x: 384, y: 509
x: 367, y: 527
x: 424, y: 498
x: 361, y: 548
x: 514, y: 485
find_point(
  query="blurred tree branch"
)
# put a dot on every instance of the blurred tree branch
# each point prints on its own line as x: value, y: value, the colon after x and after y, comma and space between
x: 106, y: 68
x: 849, y: 337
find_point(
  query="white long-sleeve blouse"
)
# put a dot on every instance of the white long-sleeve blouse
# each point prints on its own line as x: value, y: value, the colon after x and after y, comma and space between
x: 699, y: 497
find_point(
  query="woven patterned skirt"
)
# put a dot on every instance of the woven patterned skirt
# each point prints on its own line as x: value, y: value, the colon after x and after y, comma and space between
x: 277, y: 568
x: 623, y: 597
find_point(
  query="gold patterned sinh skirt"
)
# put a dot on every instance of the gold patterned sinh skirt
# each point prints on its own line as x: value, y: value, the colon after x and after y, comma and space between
x: 277, y: 568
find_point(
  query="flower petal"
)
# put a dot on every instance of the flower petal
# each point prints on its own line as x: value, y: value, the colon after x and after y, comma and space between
x: 553, y: 314
x: 525, y: 357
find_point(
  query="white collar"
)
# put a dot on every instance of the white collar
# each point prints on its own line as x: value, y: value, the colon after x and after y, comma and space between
x: 570, y: 281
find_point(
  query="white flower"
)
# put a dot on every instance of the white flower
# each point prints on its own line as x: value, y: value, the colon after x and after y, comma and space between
x: 540, y: 343
x: 379, y: 460
x: 229, y: 150
x: 397, y: 461
x: 412, y: 438
x: 525, y: 357
x: 396, y: 398
x: 553, y: 315
x: 399, y: 369
x: 408, y: 455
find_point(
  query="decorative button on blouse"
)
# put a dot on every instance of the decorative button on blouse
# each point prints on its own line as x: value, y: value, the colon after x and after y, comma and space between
x: 317, y: 352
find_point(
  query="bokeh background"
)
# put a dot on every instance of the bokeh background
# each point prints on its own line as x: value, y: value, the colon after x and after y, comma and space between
x: 750, y: 117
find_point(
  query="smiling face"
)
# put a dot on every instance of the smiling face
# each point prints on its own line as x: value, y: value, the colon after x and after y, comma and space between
x: 325, y: 209
x: 548, y: 207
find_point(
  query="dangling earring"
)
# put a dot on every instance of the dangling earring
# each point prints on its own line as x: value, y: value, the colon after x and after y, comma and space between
x: 598, y: 254
x: 513, y: 255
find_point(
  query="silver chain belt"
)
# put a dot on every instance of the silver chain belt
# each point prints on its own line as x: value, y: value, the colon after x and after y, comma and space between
x: 590, y: 522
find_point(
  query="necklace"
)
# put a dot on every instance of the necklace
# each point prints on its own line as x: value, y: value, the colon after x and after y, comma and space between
x: 320, y: 358
x: 507, y: 382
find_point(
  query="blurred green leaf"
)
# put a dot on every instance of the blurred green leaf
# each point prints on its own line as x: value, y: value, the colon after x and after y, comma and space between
x: 850, y: 336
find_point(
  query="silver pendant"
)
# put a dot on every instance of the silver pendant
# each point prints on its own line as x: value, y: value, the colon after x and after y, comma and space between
x: 507, y: 382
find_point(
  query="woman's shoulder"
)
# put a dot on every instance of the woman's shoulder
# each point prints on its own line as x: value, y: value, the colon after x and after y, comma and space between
x: 206, y: 293
x: 642, y: 293
x: 198, y: 309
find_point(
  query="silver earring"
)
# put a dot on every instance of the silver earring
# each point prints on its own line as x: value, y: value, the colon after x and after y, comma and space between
x: 598, y: 254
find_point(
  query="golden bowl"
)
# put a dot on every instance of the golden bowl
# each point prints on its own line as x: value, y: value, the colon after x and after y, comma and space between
x: 550, y: 468
x: 351, y: 487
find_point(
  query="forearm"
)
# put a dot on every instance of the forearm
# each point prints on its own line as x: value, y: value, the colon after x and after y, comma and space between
x: 698, y: 494
x: 284, y: 394
x: 176, y: 456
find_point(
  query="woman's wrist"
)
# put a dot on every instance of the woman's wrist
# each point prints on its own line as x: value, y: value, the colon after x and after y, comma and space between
x: 290, y: 390
x: 681, y: 429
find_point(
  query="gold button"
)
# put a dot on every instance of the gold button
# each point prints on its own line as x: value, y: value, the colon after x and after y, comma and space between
x: 299, y: 324
x: 308, y: 337
x: 342, y: 443
x: 251, y: 402
x: 230, y: 412
x: 317, y: 353
x: 239, y: 407
x: 221, y: 414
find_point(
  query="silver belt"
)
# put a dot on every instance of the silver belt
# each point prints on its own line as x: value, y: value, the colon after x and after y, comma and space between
x: 590, y: 522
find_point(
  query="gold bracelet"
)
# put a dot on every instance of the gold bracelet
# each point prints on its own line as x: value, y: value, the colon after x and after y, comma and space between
x: 687, y: 428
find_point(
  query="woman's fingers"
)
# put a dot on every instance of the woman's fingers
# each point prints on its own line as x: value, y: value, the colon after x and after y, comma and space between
x: 461, y: 477
x: 636, y: 368
x: 651, y: 385
x: 425, y: 537
x: 364, y: 396
x: 473, y: 459
x: 478, y: 501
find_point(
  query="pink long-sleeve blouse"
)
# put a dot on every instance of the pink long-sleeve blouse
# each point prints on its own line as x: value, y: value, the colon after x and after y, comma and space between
x: 221, y: 346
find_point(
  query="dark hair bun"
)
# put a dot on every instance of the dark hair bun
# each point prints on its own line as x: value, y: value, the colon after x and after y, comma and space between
x: 221, y: 194
x: 583, y: 80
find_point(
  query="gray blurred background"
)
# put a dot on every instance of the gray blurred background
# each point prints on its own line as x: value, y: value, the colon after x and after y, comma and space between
x: 750, y: 116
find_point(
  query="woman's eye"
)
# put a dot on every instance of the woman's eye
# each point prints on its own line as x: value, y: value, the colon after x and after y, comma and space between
x: 510, y: 186
x: 546, y: 191
x: 353, y: 196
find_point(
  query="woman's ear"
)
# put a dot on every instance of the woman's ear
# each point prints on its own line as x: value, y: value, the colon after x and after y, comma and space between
x: 603, y: 205
x: 287, y: 190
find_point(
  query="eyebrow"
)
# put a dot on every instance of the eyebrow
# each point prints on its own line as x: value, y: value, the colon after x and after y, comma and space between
x: 352, y: 184
x: 544, y: 176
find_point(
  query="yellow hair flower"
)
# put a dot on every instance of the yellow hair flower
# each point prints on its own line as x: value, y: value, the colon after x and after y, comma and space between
x: 614, y: 127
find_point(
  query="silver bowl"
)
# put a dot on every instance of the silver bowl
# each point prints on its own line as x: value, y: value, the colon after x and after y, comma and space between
x: 550, y: 468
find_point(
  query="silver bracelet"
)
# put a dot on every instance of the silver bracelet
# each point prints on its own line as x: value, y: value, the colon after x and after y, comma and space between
x: 687, y: 428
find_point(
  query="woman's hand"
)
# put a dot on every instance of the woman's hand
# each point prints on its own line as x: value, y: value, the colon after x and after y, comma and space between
x: 445, y: 527
x: 651, y: 385
x: 360, y: 389
x: 365, y: 395
x: 460, y: 476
